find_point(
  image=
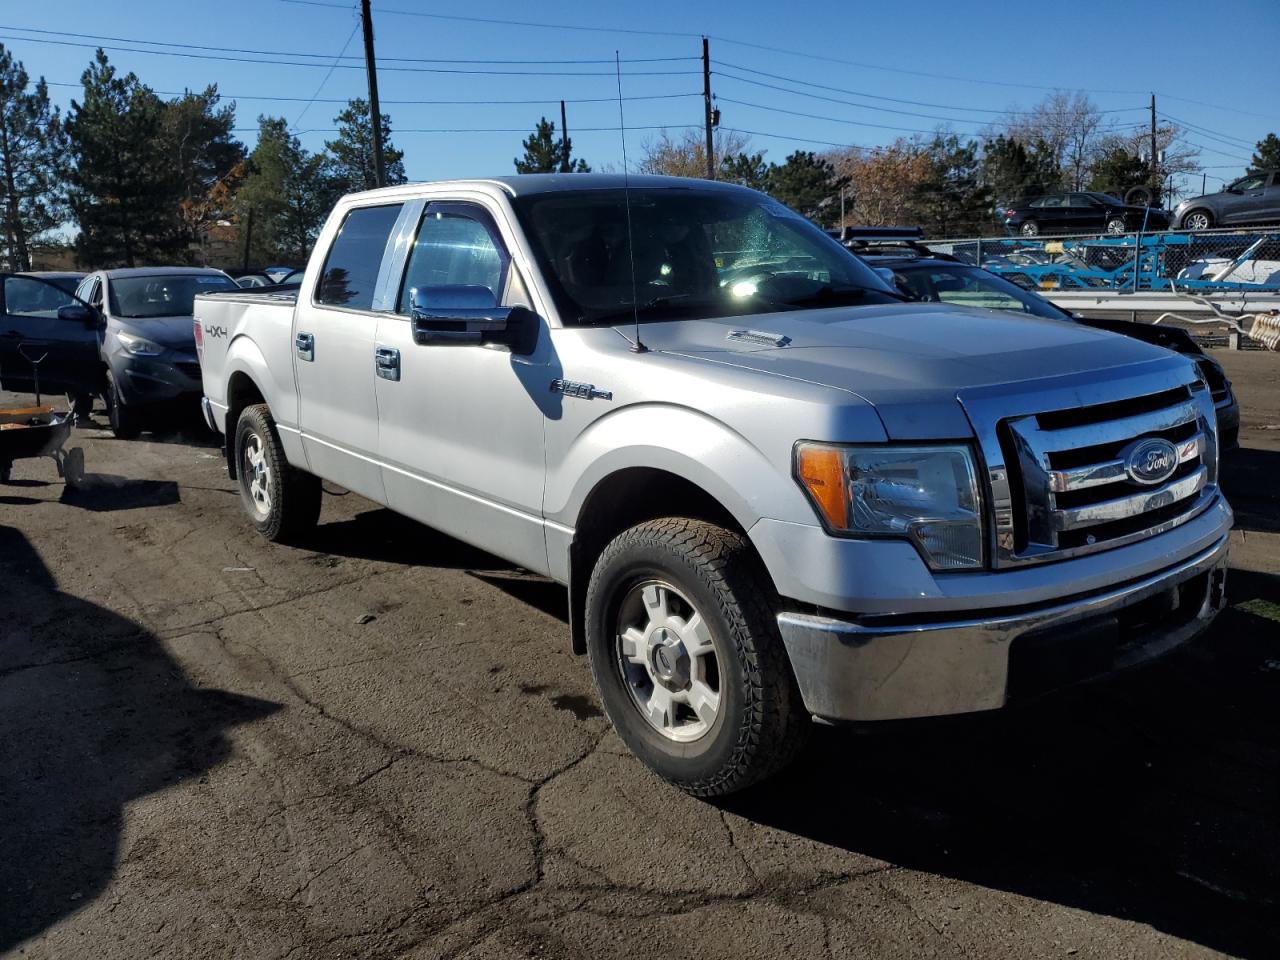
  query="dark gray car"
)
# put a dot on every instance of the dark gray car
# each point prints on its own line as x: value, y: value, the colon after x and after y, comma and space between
x: 1254, y: 198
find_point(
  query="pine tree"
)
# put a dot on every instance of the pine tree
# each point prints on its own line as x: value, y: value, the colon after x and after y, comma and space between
x: 1267, y: 155
x: 543, y: 153
x: 351, y: 154
x: 807, y: 183
x: 747, y: 169
x: 204, y: 154
x: 125, y: 188
x: 287, y: 193
x: 32, y: 162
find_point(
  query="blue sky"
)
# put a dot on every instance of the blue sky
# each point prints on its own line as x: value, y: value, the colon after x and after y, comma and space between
x: 965, y: 61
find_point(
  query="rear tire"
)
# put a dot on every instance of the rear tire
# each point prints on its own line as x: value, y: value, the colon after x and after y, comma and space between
x: 282, y: 501
x: 1030, y: 229
x: 1116, y: 226
x: 125, y: 421
x: 6, y: 471
x: 707, y: 586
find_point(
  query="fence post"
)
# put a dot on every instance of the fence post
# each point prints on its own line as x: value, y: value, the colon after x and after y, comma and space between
x: 979, y: 251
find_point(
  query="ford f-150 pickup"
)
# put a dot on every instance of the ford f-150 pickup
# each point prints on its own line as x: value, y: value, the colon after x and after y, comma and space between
x: 776, y: 491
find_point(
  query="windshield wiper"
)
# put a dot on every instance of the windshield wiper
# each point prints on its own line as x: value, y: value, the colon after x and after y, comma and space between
x: 656, y: 303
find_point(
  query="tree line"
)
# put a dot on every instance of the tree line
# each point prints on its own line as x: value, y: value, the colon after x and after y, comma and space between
x: 149, y: 180
x: 143, y: 179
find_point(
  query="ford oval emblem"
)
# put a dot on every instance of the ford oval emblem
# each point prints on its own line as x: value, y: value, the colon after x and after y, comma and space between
x: 1151, y: 461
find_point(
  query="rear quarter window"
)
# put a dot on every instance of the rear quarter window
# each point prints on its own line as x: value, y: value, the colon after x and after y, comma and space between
x: 351, y: 268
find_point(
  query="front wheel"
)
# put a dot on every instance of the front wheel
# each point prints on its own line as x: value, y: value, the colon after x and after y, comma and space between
x: 282, y: 501
x: 1030, y: 229
x: 1197, y: 220
x: 685, y: 649
x: 126, y: 423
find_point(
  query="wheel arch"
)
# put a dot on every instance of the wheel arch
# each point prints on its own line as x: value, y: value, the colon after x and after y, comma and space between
x: 623, y: 499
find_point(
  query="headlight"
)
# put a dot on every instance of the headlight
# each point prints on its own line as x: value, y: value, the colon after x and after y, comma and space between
x: 138, y: 346
x: 927, y: 495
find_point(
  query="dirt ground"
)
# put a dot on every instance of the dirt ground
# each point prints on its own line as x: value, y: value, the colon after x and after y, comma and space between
x: 379, y: 745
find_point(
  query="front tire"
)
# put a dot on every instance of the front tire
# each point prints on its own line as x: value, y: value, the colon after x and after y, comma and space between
x: 282, y: 501
x: 1030, y: 229
x: 1197, y: 220
x: 125, y: 421
x: 684, y: 646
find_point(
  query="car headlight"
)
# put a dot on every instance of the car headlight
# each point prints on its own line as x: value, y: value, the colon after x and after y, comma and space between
x: 139, y: 346
x: 926, y: 495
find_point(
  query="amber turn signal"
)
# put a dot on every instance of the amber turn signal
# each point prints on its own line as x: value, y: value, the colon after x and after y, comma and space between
x: 821, y: 471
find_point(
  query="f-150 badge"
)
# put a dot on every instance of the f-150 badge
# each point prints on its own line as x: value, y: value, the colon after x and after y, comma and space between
x: 583, y: 391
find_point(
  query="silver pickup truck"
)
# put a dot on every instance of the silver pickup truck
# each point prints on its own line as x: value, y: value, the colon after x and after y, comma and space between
x: 775, y: 490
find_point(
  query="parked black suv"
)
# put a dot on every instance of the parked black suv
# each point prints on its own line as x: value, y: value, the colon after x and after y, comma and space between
x: 1081, y: 213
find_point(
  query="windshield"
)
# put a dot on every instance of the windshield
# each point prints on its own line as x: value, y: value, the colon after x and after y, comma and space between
x: 971, y: 287
x: 172, y: 295
x: 704, y: 252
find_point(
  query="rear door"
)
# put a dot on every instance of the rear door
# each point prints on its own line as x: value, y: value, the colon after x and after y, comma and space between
x: 65, y: 351
x: 1083, y: 214
x: 335, y: 328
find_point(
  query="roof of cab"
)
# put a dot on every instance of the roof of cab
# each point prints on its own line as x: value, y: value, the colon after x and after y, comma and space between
x: 122, y: 272
x: 533, y: 183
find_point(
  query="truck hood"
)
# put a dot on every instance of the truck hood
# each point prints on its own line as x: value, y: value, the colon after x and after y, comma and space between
x: 909, y: 360
x: 176, y: 333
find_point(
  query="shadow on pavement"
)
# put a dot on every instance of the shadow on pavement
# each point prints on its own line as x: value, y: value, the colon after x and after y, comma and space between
x: 1152, y: 796
x: 380, y: 534
x: 1251, y: 481
x: 93, y: 715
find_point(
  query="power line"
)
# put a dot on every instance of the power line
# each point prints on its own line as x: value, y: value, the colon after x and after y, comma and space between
x: 322, y: 56
x: 429, y: 103
x: 293, y: 126
x: 356, y: 66
x: 814, y: 116
x: 1214, y: 134
x: 399, y: 130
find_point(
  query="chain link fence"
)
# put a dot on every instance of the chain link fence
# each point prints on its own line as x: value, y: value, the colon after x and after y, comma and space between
x: 1204, y: 263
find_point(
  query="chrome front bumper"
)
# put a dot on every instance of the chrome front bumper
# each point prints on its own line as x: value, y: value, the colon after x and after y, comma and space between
x: 886, y: 668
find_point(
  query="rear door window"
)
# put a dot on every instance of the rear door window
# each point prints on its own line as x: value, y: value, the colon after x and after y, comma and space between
x: 351, y: 269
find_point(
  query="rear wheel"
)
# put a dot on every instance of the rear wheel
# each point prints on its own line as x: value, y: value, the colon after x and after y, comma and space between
x: 1115, y: 225
x: 282, y: 501
x: 6, y: 470
x: 1030, y: 229
x: 1197, y: 220
x: 685, y: 649
x: 125, y: 421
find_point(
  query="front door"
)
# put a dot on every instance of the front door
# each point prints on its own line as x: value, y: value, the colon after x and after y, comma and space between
x: 334, y: 329
x: 31, y: 332
x: 461, y: 426
x: 1244, y: 200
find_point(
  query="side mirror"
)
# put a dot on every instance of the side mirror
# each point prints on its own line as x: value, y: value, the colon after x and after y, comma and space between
x: 462, y: 314
x: 78, y: 313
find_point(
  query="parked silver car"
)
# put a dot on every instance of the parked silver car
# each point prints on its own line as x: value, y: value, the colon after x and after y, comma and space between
x: 1254, y: 198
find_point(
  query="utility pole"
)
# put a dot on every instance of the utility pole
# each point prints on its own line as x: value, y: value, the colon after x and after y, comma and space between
x: 248, y: 237
x: 564, y: 140
x: 375, y: 112
x: 1155, y: 177
x: 706, y: 104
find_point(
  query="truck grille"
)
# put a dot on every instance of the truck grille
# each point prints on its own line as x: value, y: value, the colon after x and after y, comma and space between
x: 1094, y: 477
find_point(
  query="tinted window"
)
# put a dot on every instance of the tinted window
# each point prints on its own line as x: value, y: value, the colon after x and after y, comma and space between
x: 29, y: 297
x: 170, y: 295
x: 351, y: 269
x: 1250, y: 183
x: 455, y: 245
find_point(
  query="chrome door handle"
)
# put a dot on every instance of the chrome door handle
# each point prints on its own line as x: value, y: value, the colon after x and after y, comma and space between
x: 305, y: 345
x: 386, y: 362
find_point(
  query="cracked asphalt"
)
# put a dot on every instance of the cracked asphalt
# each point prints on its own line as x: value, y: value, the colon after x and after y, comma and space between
x: 379, y: 745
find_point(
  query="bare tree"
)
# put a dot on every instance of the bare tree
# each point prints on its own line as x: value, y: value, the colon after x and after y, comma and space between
x: 686, y: 155
x: 1072, y: 126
